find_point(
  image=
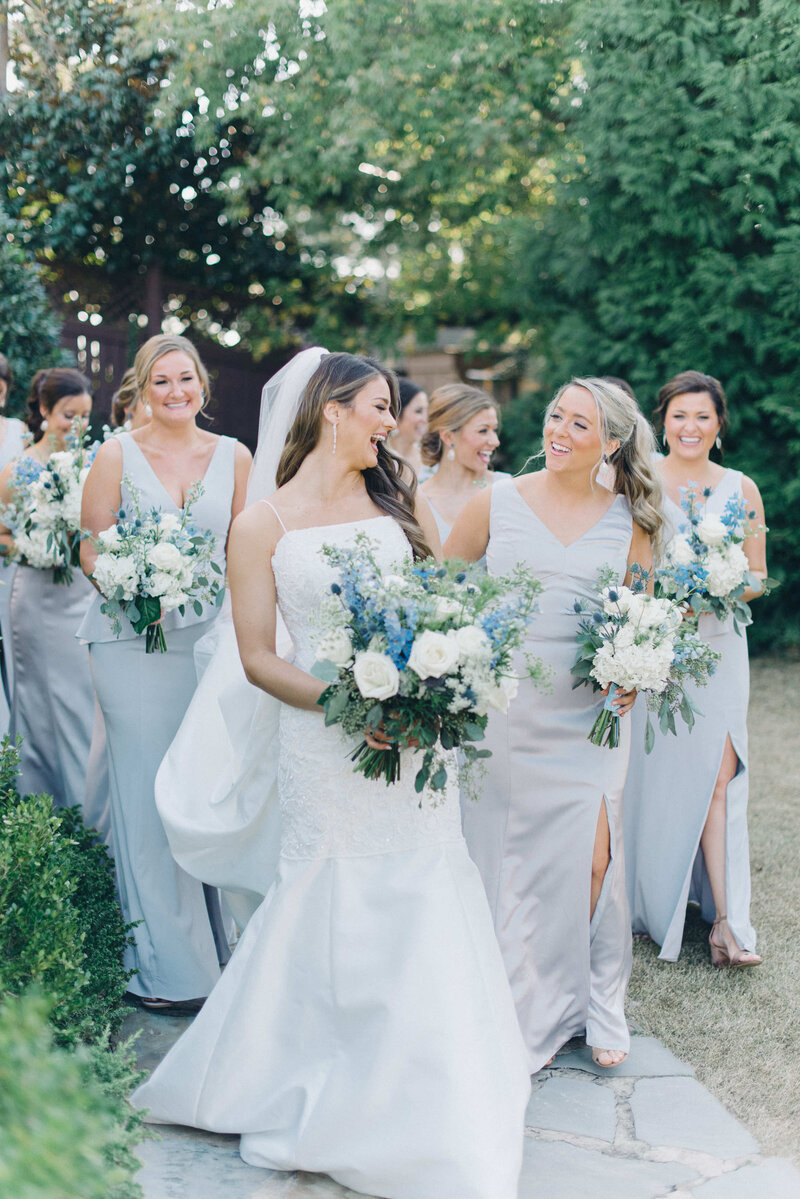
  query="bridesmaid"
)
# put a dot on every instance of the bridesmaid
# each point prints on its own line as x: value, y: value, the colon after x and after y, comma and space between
x: 52, y: 702
x: 461, y: 438
x: 12, y: 443
x: 179, y: 941
x: 546, y: 833
x: 686, y: 802
x: 412, y: 423
x: 128, y: 410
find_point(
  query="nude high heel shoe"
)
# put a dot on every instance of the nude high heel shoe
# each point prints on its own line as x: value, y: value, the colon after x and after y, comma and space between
x: 722, y: 959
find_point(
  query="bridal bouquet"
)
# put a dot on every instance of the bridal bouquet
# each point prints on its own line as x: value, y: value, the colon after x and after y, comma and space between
x: 635, y: 640
x: 423, y: 654
x: 44, y: 514
x: 150, y: 565
x: 705, y: 564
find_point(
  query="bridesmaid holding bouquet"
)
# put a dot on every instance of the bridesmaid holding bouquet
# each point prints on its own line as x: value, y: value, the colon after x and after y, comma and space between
x: 179, y: 940
x: 686, y: 803
x: 546, y: 833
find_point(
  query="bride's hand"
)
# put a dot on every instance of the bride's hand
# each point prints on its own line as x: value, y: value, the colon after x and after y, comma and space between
x: 378, y: 739
x: 623, y: 700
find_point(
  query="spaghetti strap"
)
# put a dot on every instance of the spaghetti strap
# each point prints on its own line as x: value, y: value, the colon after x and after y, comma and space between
x: 277, y: 513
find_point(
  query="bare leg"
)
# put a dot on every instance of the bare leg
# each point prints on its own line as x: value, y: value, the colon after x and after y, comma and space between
x: 601, y: 858
x: 712, y: 842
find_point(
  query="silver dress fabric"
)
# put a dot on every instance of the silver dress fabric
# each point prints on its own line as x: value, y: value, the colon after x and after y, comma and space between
x: 11, y: 448
x: 180, y: 940
x: 668, y: 792
x: 532, y: 830
x: 52, y: 702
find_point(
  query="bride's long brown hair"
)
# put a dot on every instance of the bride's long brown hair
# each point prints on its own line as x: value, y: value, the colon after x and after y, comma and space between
x: 339, y: 377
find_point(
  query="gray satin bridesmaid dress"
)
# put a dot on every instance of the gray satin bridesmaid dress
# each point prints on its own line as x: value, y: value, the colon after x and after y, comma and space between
x: 180, y: 941
x: 532, y: 830
x: 668, y: 792
x: 12, y: 447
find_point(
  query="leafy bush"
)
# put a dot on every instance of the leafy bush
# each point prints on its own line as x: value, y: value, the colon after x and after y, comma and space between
x: 67, y: 1128
x: 60, y: 925
x: 29, y: 327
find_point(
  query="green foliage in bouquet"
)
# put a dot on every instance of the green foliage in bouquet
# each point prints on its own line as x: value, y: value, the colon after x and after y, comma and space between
x: 68, y: 1130
x: 60, y: 925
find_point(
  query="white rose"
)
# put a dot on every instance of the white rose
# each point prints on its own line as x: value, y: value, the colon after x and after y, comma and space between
x: 501, y: 695
x: 160, y: 583
x: 680, y: 551
x: 336, y: 647
x: 711, y: 530
x: 164, y: 556
x: 726, y: 570
x: 471, y: 642
x: 168, y: 524
x: 433, y: 654
x: 445, y: 607
x: 376, y: 675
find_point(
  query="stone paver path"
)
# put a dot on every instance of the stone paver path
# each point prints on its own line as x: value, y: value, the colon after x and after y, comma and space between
x: 645, y: 1130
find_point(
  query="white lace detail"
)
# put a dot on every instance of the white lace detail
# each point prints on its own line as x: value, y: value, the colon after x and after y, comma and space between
x: 326, y: 809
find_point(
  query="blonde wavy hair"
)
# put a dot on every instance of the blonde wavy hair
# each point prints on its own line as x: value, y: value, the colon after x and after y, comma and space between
x: 633, y: 463
x: 450, y: 407
x: 156, y: 347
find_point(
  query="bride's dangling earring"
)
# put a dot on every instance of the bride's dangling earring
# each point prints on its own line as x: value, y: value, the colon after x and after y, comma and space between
x: 335, y: 427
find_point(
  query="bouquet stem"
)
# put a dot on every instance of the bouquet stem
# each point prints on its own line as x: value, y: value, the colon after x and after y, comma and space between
x: 606, y: 729
x: 155, y: 641
x: 377, y: 763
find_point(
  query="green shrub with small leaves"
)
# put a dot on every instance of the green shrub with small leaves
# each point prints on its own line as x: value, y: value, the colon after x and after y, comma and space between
x: 67, y: 1129
x: 60, y: 925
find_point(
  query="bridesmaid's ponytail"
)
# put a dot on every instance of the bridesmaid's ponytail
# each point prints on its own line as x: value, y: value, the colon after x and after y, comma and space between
x: 633, y: 463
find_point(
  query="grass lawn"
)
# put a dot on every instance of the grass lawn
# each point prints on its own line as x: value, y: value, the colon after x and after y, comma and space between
x: 740, y: 1029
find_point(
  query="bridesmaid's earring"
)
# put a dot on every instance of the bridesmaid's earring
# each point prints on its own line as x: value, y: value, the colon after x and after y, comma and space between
x: 718, y: 442
x: 335, y: 427
x: 451, y: 454
x: 43, y: 425
x: 664, y: 439
x: 148, y: 411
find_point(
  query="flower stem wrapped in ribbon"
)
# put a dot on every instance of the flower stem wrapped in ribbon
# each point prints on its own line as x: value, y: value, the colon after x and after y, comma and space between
x: 153, y: 563
x: 705, y: 565
x: 421, y: 654
x: 633, y: 640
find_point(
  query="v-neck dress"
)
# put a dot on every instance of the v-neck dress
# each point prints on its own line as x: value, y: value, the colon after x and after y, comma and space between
x: 532, y: 830
x: 179, y: 940
x: 668, y: 792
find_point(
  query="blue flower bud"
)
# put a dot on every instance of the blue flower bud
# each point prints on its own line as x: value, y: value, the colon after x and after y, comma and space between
x: 336, y: 589
x: 460, y: 577
x: 121, y: 514
x: 613, y: 595
x: 706, y: 492
x: 598, y: 618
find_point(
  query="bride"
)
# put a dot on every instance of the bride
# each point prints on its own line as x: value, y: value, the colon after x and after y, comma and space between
x: 364, y: 1027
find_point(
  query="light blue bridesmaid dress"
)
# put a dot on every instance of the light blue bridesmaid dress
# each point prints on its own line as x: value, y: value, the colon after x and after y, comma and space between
x: 13, y: 444
x: 180, y: 940
x: 532, y: 830
x: 52, y: 700
x: 668, y: 792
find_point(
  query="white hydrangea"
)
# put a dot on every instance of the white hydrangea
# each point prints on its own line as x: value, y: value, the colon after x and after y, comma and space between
x: 711, y: 530
x: 336, y: 647
x: 109, y: 538
x: 644, y: 666
x: 726, y: 569
x: 168, y: 524
x: 34, y: 549
x: 111, y: 572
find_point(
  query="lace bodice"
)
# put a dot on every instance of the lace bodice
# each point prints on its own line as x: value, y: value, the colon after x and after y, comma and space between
x: 326, y: 809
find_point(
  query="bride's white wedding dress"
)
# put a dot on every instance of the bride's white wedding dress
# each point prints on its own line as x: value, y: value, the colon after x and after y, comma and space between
x: 364, y: 1027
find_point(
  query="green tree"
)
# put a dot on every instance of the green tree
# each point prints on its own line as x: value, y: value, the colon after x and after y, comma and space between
x: 402, y: 141
x: 95, y: 176
x: 674, y: 238
x: 29, y: 328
